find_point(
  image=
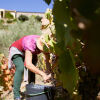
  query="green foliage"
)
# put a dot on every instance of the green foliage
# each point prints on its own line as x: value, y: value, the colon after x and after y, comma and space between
x: 48, y: 1
x: 15, y: 20
x: 38, y: 18
x: 8, y: 15
x: 61, y: 11
x: 77, y: 29
x: 57, y: 41
x: 62, y: 7
x: 68, y: 73
x: 9, y: 21
x: 1, y: 21
x: 97, y: 11
x: 23, y: 18
x: 2, y: 24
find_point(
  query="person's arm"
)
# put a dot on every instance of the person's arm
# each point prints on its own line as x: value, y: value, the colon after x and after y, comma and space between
x: 33, y: 68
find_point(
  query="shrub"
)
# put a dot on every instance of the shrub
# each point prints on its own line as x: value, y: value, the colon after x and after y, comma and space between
x: 9, y: 21
x: 15, y: 20
x: 23, y: 18
x: 1, y: 21
x: 2, y: 26
x: 9, y: 15
x: 38, y: 18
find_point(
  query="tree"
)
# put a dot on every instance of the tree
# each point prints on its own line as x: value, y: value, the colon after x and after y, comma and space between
x: 9, y: 15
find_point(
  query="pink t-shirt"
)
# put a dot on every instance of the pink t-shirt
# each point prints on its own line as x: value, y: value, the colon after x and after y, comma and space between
x: 27, y: 43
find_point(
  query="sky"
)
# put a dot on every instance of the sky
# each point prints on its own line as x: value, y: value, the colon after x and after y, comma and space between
x: 25, y: 5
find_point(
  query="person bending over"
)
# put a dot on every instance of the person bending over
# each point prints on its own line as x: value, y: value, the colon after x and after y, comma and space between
x: 21, y: 54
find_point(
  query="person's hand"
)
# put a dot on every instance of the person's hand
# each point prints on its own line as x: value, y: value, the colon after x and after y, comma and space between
x: 46, y: 77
